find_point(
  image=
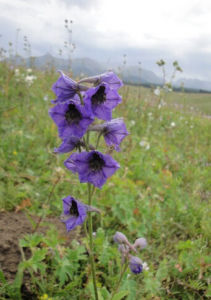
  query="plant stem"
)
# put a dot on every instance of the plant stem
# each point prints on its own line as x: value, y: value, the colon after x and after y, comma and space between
x: 120, y: 279
x: 81, y: 98
x: 91, y: 243
x: 98, y: 139
x: 47, y: 202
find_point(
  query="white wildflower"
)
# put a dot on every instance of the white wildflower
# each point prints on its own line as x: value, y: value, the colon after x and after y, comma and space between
x: 17, y: 72
x: 30, y: 79
x: 145, y: 144
x: 173, y: 124
x: 29, y: 70
x: 132, y: 122
x: 157, y: 91
x: 145, y: 266
x: 45, y: 98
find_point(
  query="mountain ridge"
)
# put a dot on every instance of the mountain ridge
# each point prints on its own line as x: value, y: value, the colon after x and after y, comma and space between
x: 88, y: 67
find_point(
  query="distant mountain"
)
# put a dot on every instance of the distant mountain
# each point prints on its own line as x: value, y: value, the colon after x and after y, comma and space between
x: 132, y: 74
x: 86, y: 66
x: 79, y: 66
x: 192, y: 83
x: 89, y: 67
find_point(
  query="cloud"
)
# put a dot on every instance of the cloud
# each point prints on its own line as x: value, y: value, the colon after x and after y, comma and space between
x: 105, y: 29
x: 83, y: 4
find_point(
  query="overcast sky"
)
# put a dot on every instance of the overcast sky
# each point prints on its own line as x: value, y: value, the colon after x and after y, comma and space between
x: 106, y: 29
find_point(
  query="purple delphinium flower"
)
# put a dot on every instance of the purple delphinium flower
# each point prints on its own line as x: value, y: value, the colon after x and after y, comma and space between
x: 113, y: 131
x: 69, y: 144
x: 71, y: 118
x: 109, y: 77
x: 74, y: 212
x: 102, y: 100
x: 135, y: 264
x: 65, y: 88
x: 93, y: 167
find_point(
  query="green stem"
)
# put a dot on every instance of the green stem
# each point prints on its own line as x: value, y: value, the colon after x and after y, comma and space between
x: 46, y: 203
x: 81, y: 98
x: 87, y: 138
x: 98, y: 139
x: 120, y: 279
x: 91, y: 243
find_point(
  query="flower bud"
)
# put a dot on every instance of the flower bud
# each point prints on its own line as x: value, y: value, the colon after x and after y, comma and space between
x: 120, y: 238
x: 140, y: 243
x: 136, y: 264
x: 123, y: 249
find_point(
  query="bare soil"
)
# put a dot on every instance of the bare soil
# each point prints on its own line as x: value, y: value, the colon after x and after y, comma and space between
x: 14, y: 226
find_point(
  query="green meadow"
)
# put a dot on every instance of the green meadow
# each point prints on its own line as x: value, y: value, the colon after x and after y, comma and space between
x: 161, y: 192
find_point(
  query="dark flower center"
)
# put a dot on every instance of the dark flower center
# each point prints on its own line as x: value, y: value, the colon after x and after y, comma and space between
x: 74, y: 209
x: 99, y: 97
x: 72, y: 115
x: 96, y: 162
x: 105, y: 130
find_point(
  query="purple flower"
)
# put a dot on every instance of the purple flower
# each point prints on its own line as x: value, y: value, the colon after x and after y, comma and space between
x: 114, y: 132
x: 71, y: 118
x: 102, y: 100
x: 65, y: 88
x: 109, y: 77
x: 93, y: 167
x: 135, y: 264
x: 69, y: 144
x: 74, y: 212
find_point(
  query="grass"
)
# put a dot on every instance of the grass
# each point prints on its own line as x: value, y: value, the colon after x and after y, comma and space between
x: 161, y: 191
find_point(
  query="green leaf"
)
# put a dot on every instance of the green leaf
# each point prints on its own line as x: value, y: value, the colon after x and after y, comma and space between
x: 38, y: 256
x: 184, y: 245
x: 120, y: 295
x: 2, y: 278
x: 31, y: 240
x: 105, y: 293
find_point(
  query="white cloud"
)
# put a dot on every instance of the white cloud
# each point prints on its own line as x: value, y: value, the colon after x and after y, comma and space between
x: 176, y: 27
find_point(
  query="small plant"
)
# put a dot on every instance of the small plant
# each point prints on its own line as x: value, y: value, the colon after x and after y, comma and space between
x: 167, y: 84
